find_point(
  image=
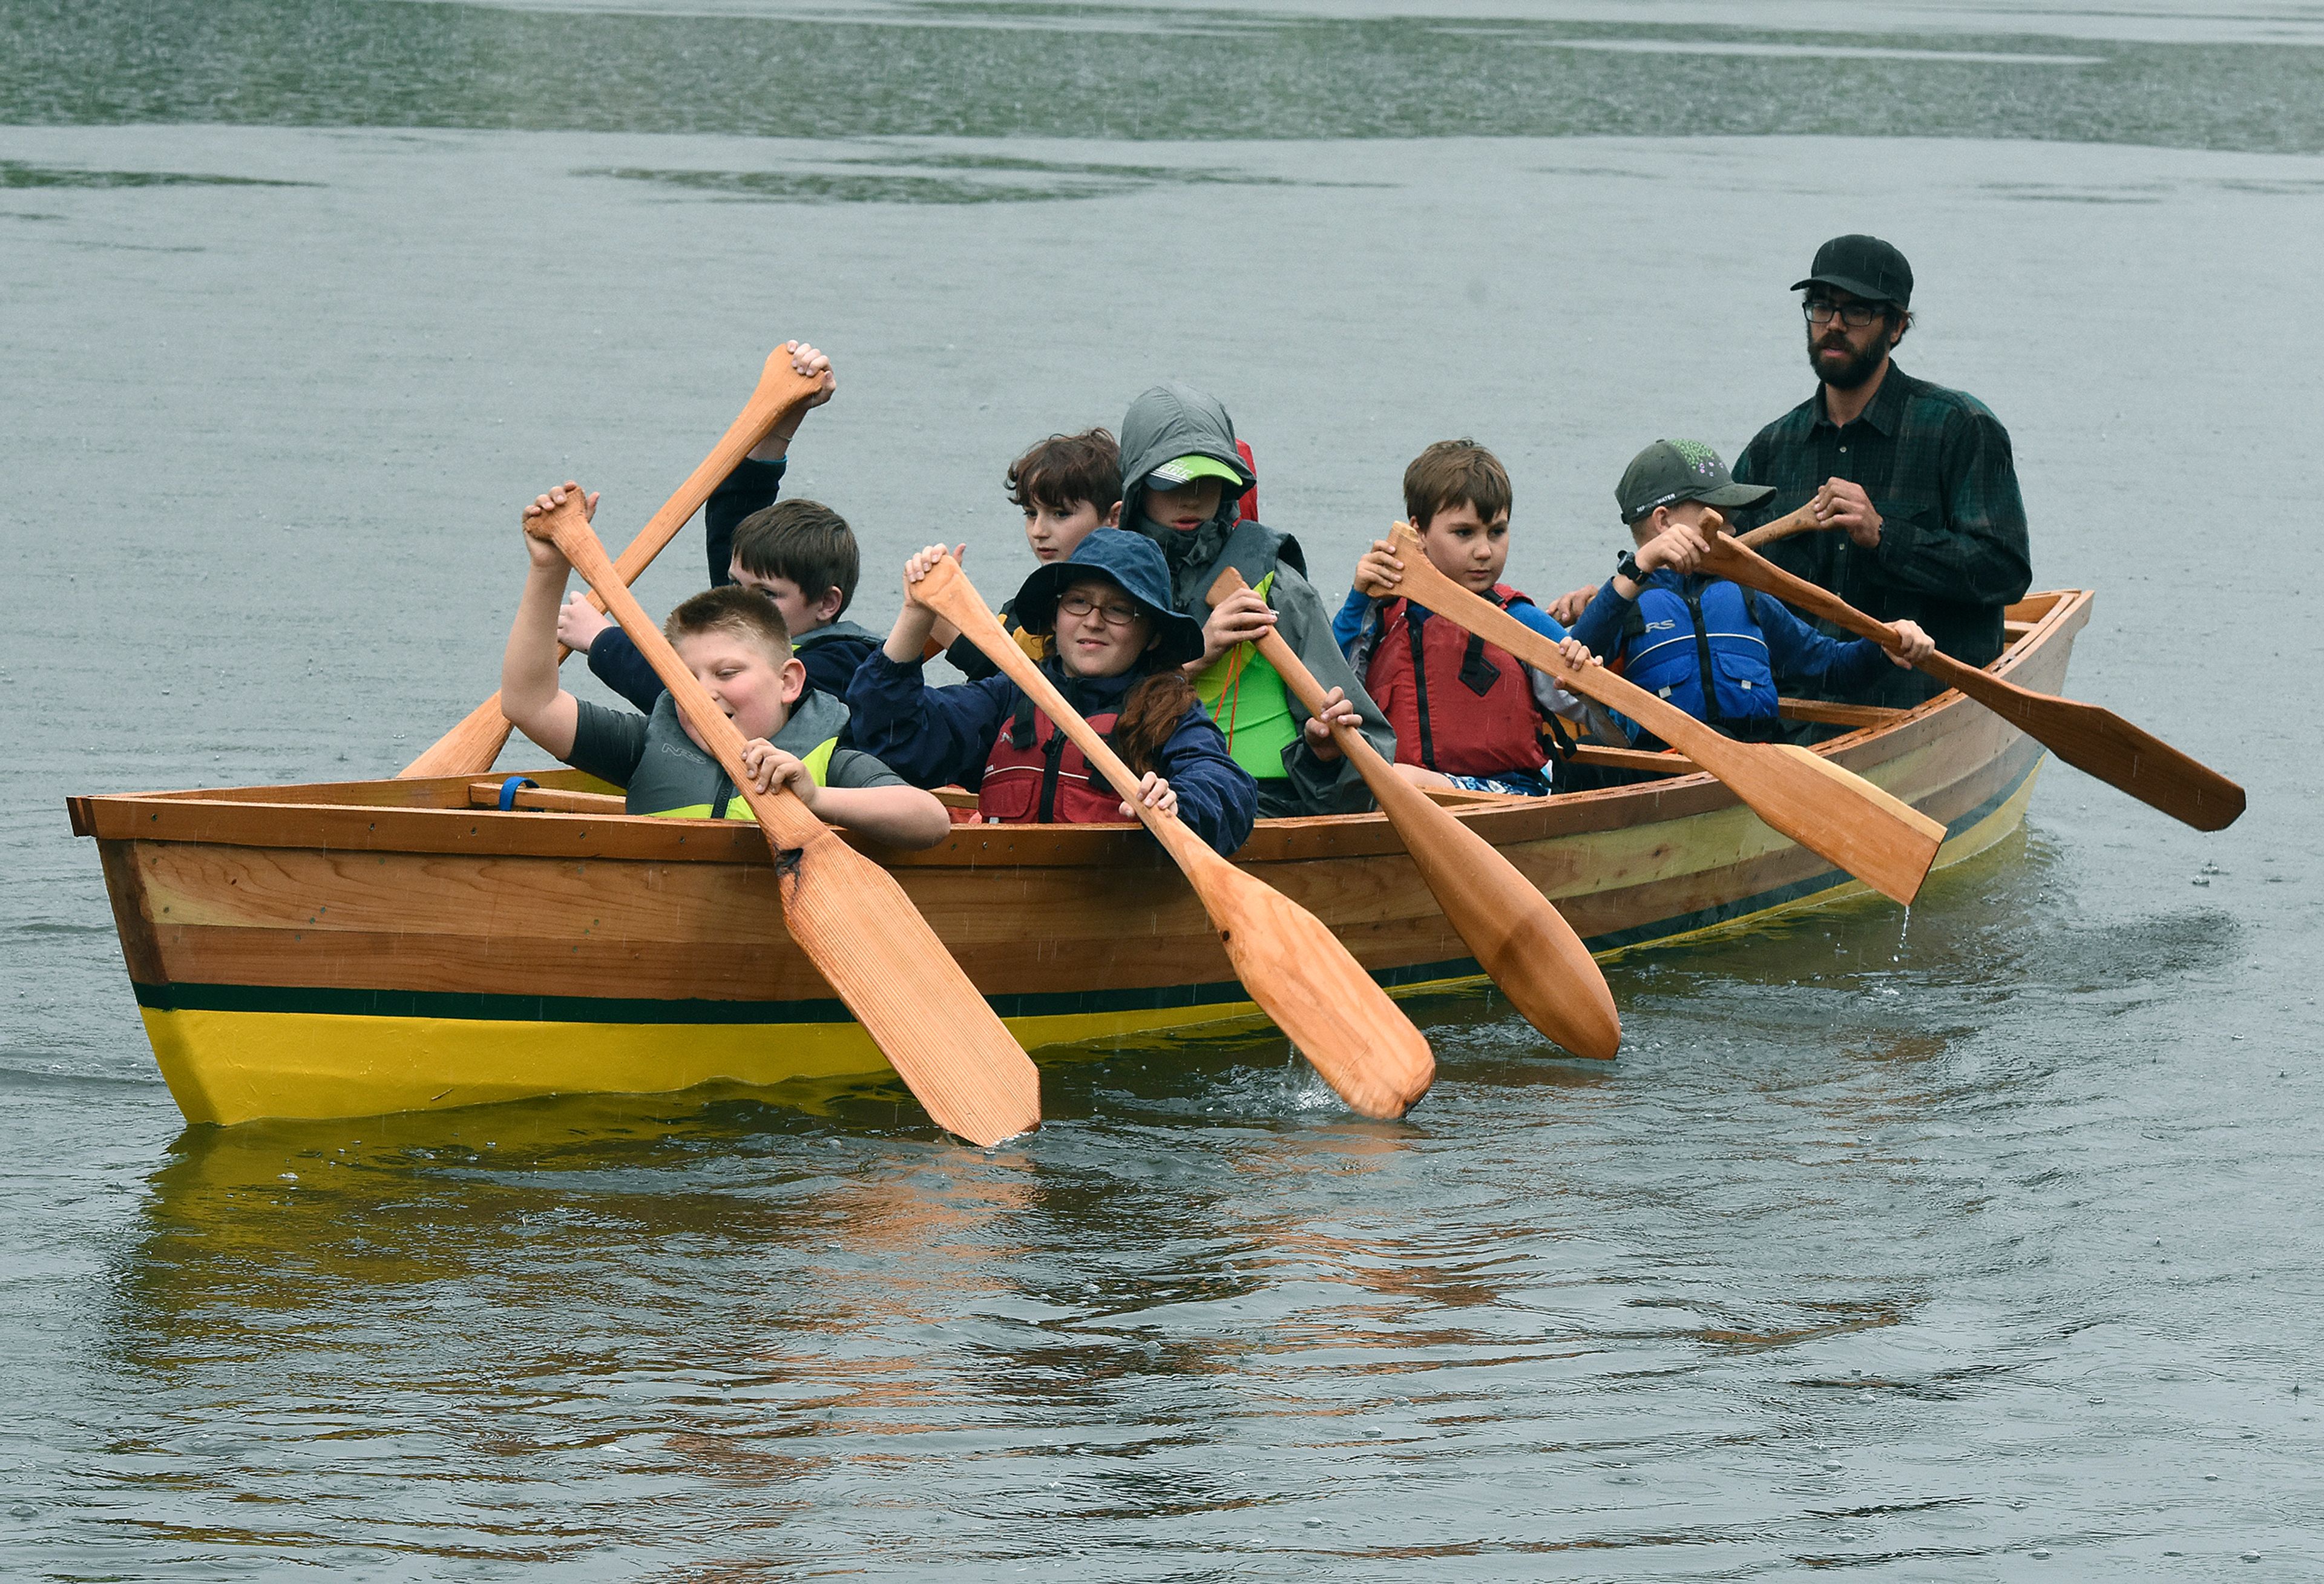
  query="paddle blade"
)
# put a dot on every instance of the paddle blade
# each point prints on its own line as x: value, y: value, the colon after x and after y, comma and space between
x: 1520, y: 939
x: 468, y: 749
x: 1873, y: 835
x: 944, y: 1039
x: 1303, y: 979
x: 2099, y: 742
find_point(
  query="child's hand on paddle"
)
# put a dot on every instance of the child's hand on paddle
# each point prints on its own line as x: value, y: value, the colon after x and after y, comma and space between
x: 810, y: 364
x: 1918, y: 645
x: 579, y: 623
x: 1576, y: 654
x: 1243, y: 617
x: 1378, y: 571
x: 543, y: 551
x: 921, y: 564
x: 768, y: 768
x: 1336, y: 711
x: 1678, y: 546
x: 1155, y: 793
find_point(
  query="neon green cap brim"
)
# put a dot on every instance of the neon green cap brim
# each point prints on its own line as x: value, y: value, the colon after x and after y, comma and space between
x: 1185, y: 470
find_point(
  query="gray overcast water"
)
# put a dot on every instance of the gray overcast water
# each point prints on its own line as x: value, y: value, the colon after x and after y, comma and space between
x: 1980, y: 1245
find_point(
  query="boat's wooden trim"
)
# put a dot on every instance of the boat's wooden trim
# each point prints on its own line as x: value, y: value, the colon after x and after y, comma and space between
x: 1824, y: 712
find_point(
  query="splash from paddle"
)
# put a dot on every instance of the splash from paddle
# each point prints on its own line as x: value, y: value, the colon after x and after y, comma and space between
x: 846, y: 913
x: 1519, y: 938
x: 1879, y: 839
x: 470, y: 748
x: 1297, y: 971
x: 2088, y: 736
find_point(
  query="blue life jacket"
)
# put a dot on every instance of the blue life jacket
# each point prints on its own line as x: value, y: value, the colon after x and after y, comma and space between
x: 1699, y: 646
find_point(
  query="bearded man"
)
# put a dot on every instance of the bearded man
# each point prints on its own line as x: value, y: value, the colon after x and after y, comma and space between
x: 1914, y: 481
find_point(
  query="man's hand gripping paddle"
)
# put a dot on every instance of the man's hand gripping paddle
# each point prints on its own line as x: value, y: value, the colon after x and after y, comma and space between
x: 1879, y: 839
x: 1519, y: 939
x: 1297, y: 971
x: 846, y: 913
x: 2088, y: 736
x: 470, y: 748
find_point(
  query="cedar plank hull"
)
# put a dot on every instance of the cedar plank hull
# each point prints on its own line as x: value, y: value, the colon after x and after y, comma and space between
x: 350, y: 950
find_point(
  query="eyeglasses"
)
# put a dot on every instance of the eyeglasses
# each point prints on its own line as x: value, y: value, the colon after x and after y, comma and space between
x: 1115, y: 614
x: 1854, y: 315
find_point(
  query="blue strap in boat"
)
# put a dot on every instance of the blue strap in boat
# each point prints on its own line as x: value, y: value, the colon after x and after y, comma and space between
x: 508, y: 790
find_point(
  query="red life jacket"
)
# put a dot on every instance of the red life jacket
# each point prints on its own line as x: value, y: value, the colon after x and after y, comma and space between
x: 1458, y: 703
x: 1248, y: 511
x: 1035, y: 775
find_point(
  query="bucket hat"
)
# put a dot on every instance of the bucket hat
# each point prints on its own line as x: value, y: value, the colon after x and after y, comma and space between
x: 1132, y: 562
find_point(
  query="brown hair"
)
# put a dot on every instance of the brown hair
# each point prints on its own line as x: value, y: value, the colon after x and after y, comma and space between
x: 748, y: 615
x: 803, y: 542
x: 1066, y: 470
x: 1455, y: 472
x: 1150, y: 713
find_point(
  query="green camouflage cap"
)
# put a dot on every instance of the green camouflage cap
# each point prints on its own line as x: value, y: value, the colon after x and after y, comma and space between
x: 1669, y: 471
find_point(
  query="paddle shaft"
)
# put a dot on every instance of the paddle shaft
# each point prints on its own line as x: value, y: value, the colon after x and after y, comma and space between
x: 1519, y: 938
x: 845, y: 912
x: 1850, y: 821
x: 2089, y: 736
x: 470, y: 748
x: 1297, y: 971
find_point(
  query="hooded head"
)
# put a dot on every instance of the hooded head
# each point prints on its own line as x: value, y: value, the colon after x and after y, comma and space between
x: 1168, y: 424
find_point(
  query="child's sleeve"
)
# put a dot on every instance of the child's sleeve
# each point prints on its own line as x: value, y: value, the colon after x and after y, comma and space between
x: 607, y: 743
x: 831, y: 665
x: 1539, y: 620
x: 617, y: 662
x: 1841, y: 666
x: 1599, y: 625
x: 853, y: 771
x: 750, y: 487
x: 929, y: 736
x: 1217, y: 798
x: 1348, y: 624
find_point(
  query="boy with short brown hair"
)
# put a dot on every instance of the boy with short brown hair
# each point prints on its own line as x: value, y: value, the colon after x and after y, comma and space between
x: 1068, y: 486
x: 1468, y: 715
x: 734, y: 642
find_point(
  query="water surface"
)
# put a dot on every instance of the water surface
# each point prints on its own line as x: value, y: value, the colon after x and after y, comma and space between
x: 1917, y: 1248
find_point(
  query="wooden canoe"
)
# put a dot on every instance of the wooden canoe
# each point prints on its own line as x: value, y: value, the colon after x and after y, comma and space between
x: 350, y: 949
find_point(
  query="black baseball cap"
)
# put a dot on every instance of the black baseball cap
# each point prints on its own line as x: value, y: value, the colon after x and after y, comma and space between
x: 1669, y: 471
x: 1864, y: 266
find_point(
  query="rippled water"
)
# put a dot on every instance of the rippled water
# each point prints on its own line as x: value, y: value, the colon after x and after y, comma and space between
x: 1917, y: 1249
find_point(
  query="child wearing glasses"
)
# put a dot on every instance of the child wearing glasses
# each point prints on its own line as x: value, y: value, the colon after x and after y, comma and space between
x: 1119, y: 651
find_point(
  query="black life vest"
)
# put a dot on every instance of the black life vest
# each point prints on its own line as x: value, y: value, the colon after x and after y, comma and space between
x: 1457, y: 703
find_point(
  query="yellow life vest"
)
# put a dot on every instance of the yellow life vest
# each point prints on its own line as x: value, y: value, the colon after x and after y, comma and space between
x: 817, y: 760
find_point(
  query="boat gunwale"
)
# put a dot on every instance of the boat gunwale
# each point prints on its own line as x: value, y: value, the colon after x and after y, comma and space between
x: 424, y: 823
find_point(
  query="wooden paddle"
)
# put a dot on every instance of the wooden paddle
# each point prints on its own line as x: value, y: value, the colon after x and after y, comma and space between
x: 1801, y: 520
x: 470, y: 748
x: 2088, y: 736
x: 1517, y: 937
x: 1879, y: 839
x: 1297, y: 971
x: 846, y: 913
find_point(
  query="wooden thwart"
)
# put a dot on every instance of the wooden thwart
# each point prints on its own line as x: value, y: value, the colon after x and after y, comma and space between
x: 1877, y: 838
x: 845, y: 912
x: 2088, y: 736
x: 1298, y: 971
x: 1518, y: 938
x: 470, y: 748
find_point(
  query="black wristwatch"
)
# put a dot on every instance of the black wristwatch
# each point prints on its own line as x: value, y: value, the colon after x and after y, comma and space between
x: 1627, y: 566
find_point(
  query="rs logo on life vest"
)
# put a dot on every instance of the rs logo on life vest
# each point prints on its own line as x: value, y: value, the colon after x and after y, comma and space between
x: 1662, y: 626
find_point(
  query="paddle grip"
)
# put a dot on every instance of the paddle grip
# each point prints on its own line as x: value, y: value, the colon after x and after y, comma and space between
x: 787, y: 821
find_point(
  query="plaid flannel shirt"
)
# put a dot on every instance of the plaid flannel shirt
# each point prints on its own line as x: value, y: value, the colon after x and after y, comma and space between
x: 1952, y: 550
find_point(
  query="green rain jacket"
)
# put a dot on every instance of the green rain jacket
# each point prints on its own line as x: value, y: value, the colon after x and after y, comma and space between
x: 1175, y: 420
